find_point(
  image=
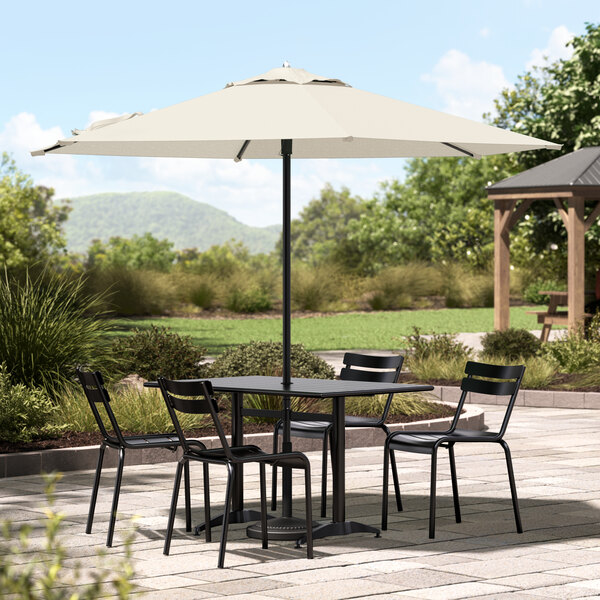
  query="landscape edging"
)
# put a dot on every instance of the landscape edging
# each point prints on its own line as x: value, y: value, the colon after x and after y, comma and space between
x: 86, y: 457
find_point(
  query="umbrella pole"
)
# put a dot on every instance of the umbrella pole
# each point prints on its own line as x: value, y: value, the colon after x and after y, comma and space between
x: 286, y: 153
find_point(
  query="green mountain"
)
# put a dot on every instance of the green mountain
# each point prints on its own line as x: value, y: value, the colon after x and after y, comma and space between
x: 178, y: 218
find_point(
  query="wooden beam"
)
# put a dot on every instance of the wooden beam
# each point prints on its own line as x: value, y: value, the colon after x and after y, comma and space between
x: 562, y: 211
x: 502, y: 212
x: 592, y: 217
x: 576, y: 262
x: 518, y: 213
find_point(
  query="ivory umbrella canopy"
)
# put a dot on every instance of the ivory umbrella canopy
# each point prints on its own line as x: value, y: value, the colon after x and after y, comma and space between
x: 290, y: 112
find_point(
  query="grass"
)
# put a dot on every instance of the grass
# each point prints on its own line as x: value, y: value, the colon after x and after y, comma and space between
x: 377, y: 330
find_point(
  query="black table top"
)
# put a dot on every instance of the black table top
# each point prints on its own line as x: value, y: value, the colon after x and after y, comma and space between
x: 310, y: 388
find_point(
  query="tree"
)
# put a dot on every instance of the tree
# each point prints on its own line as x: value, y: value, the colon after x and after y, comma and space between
x: 138, y: 252
x: 323, y: 225
x: 30, y: 225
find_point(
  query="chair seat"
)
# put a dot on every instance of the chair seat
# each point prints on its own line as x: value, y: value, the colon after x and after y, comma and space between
x: 423, y: 442
x: 317, y: 429
x: 292, y: 459
x: 152, y: 440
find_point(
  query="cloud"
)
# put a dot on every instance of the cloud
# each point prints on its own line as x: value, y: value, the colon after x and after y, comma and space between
x: 467, y: 87
x: 554, y: 50
x: 485, y: 32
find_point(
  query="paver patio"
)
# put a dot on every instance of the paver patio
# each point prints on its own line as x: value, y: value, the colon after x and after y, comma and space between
x: 557, y: 466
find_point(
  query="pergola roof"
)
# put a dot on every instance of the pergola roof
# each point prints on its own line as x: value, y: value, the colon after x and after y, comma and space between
x: 578, y: 171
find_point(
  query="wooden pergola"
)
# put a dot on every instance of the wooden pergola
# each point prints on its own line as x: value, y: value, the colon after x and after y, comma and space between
x: 569, y: 181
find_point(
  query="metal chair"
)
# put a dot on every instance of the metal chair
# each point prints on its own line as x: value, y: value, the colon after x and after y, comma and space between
x: 97, y: 395
x: 196, y: 397
x: 478, y: 380
x: 390, y: 367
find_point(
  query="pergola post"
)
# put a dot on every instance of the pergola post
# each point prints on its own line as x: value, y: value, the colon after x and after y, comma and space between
x: 502, y: 211
x: 576, y: 261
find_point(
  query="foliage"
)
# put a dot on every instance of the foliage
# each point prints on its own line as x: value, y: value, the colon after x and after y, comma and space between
x: 531, y: 293
x: 436, y: 366
x: 511, y: 344
x: 250, y: 300
x: 438, y: 344
x: 315, y: 288
x: 463, y: 288
x: 44, y: 575
x: 48, y: 325
x: 30, y: 226
x: 136, y: 411
x: 397, y: 287
x: 320, y: 232
x: 158, y: 351
x: 202, y: 294
x: 25, y: 413
x: 138, y: 252
x: 133, y: 292
x: 539, y: 370
x: 402, y: 404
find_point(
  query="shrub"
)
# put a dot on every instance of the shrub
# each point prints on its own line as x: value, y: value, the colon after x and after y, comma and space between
x: 133, y: 292
x: 48, y: 325
x: 314, y: 288
x: 539, y: 371
x: 44, y: 576
x: 396, y: 287
x: 531, y: 292
x: 573, y: 353
x: 402, y: 404
x: 158, y: 351
x: 437, y: 367
x: 266, y: 358
x: 511, y: 344
x: 202, y: 295
x: 442, y: 345
x: 463, y: 288
x: 250, y: 300
x: 25, y: 413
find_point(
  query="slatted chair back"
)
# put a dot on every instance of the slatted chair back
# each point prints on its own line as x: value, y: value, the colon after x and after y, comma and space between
x: 496, y: 380
x: 389, y: 371
x: 192, y: 397
x: 97, y: 394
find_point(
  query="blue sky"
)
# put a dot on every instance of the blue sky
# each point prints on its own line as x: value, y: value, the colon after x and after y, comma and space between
x: 69, y: 63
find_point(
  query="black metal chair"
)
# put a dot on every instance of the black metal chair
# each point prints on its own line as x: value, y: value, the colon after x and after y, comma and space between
x: 479, y: 375
x: 97, y: 395
x: 390, y: 367
x: 196, y: 397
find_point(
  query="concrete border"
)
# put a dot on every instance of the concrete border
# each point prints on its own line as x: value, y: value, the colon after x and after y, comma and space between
x: 86, y: 457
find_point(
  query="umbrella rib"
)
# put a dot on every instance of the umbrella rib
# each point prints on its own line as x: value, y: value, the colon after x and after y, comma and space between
x: 458, y: 149
x: 239, y: 155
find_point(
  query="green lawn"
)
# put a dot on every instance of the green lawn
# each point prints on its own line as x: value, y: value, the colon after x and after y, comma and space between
x: 378, y: 330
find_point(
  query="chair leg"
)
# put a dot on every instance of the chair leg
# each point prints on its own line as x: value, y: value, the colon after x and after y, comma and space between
x: 207, y: 527
x: 88, y: 528
x: 274, y: 480
x: 188, y: 499
x: 454, y: 483
x: 175, y: 496
x: 394, y: 474
x: 513, y: 487
x: 324, y: 478
x: 226, y: 516
x: 115, y: 502
x: 432, y: 494
x: 263, y: 506
x: 386, y: 481
x: 308, y: 500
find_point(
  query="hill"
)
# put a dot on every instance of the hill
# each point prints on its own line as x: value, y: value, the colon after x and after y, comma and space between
x: 183, y: 221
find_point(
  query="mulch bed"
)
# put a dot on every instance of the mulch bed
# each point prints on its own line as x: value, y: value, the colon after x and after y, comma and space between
x: 74, y: 439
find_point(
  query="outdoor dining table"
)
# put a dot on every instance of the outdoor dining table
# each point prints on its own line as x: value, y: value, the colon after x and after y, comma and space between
x: 287, y: 527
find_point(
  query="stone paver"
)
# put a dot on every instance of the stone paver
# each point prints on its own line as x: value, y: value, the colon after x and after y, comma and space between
x: 557, y: 467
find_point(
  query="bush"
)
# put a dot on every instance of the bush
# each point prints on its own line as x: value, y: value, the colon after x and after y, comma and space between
x: 573, y: 353
x: 25, y: 413
x: 442, y: 345
x: 48, y: 326
x: 202, y: 295
x: 158, y: 351
x: 397, y: 287
x: 44, y: 575
x: 531, y: 292
x: 314, y: 288
x: 133, y: 292
x: 436, y: 366
x: 250, y: 300
x: 464, y: 289
x: 266, y: 358
x: 539, y: 371
x: 511, y: 344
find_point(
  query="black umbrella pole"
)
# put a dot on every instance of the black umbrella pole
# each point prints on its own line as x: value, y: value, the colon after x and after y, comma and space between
x: 286, y: 153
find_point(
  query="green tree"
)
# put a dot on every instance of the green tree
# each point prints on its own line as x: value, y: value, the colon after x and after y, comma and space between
x: 138, y: 252
x: 30, y: 225
x: 319, y: 234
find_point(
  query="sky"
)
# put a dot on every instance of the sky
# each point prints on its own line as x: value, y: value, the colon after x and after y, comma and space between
x: 67, y: 64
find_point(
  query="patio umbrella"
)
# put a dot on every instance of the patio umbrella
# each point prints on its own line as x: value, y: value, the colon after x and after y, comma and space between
x: 287, y: 112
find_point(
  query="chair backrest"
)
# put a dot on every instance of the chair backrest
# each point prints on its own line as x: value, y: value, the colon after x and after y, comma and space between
x: 97, y: 394
x: 389, y: 368
x: 495, y: 380
x: 192, y: 397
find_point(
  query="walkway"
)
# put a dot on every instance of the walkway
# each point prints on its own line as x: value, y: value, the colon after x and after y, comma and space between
x: 557, y: 464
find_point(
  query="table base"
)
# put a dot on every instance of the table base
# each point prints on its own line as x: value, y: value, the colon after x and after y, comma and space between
x: 281, y: 529
x: 235, y: 516
x: 339, y: 528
